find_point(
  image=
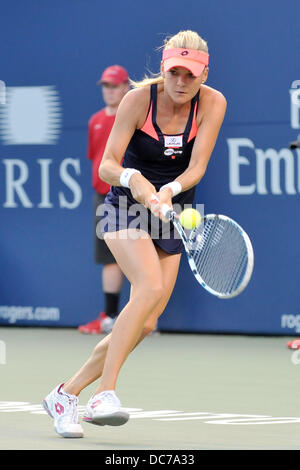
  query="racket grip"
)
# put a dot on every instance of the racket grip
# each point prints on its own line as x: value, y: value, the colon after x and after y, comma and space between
x: 165, y: 209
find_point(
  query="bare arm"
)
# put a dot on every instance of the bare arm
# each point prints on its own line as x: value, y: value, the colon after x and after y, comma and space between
x: 205, y: 141
x: 123, y: 129
x: 128, y: 118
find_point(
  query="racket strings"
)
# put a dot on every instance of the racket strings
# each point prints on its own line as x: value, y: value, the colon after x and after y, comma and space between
x: 214, y: 259
x: 231, y: 262
x: 204, y: 261
x: 239, y: 263
x: 220, y: 255
x: 234, y: 262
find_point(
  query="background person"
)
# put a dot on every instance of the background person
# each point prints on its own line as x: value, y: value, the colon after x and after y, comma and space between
x: 115, y: 84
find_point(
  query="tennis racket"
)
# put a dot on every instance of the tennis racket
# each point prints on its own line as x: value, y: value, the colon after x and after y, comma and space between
x: 219, y: 252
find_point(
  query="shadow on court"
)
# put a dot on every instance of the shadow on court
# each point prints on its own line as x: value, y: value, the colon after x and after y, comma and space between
x: 183, y: 391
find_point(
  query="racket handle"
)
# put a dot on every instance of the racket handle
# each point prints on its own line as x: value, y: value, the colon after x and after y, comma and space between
x: 165, y: 209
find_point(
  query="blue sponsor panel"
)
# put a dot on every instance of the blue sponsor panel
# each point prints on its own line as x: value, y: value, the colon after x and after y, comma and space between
x: 47, y: 94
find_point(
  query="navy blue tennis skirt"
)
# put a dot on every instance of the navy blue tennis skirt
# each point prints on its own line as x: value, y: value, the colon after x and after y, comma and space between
x: 120, y: 212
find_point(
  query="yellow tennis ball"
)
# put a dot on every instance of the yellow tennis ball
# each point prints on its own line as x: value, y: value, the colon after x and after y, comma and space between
x: 190, y: 218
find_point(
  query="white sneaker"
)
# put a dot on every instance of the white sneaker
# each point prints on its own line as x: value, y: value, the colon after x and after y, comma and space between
x: 105, y: 408
x: 107, y: 324
x: 63, y: 408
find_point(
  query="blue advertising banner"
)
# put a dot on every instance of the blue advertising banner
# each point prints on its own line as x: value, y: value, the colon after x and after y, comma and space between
x: 52, y: 55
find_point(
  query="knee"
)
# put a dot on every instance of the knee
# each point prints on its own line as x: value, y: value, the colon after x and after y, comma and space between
x: 156, y: 290
x: 152, y: 292
x: 100, y: 348
x: 97, y: 351
x: 149, y: 327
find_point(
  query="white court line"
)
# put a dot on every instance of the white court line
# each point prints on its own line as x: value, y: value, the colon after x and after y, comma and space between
x: 166, y: 415
x: 208, y: 416
x: 262, y: 420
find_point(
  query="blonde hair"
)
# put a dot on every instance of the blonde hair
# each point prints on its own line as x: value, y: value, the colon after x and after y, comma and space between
x: 184, y: 39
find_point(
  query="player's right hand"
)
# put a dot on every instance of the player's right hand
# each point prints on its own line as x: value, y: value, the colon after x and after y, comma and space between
x: 141, y: 190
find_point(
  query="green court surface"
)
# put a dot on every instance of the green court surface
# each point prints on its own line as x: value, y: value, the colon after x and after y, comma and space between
x: 187, y: 392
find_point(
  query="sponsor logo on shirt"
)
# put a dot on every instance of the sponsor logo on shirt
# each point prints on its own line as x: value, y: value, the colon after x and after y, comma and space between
x: 173, y: 141
x: 173, y: 152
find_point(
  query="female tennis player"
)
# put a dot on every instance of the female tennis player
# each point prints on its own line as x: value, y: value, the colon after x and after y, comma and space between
x: 166, y: 129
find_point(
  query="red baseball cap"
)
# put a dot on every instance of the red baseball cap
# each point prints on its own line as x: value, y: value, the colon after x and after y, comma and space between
x: 114, y: 74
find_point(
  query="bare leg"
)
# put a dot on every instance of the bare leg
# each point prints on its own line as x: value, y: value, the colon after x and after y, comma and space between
x: 139, y: 261
x: 93, y: 368
x: 112, y: 278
